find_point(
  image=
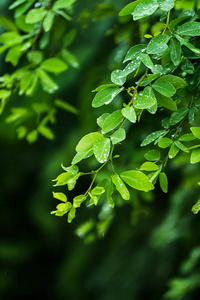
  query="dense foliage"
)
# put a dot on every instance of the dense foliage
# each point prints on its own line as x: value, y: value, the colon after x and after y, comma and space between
x: 54, y: 53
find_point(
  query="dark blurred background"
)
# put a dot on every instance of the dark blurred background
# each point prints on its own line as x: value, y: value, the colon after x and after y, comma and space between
x: 143, y: 249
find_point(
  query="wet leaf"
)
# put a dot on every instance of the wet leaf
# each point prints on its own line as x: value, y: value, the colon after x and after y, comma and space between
x: 118, y: 136
x: 101, y: 149
x: 143, y: 10
x: 106, y: 95
x: 137, y: 180
x: 164, y: 88
x: 121, y: 187
x: 153, y: 136
x: 189, y: 29
x: 86, y: 143
x: 129, y: 113
x: 178, y: 115
x: 134, y: 52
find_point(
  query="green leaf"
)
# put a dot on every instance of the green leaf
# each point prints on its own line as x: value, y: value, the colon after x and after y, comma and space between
x: 121, y: 187
x: 187, y: 66
x: 106, y: 95
x: 132, y: 66
x: 145, y: 58
x: 163, y: 182
x: 69, y: 58
x: 175, y: 51
x: 47, y: 83
x: 104, y: 86
x: 176, y: 81
x: 178, y: 115
x: 148, y: 91
x: 195, y: 156
x: 149, y: 166
x: 164, y: 142
x: 4, y: 94
x: 101, y: 149
x: 78, y: 200
x: 101, y: 119
x: 68, y: 178
x: 16, y: 3
x: 97, y: 191
x: 60, y: 196
x: 63, y: 4
x: 109, y: 193
x: 187, y: 137
x: 48, y: 21
x: 158, y: 44
x: 22, y: 8
x: 149, y: 79
x: 165, y: 88
x: 129, y: 113
x: 144, y: 102
x: 73, y: 169
x: 196, y: 207
x: 166, y: 101
x: 32, y: 136
x: 166, y: 5
x: 152, y: 155
x: 196, y: 131
x: 86, y: 143
x: 153, y: 136
x: 66, y: 106
x: 53, y: 65
x: 181, y: 146
x: 46, y: 132
x: 35, y: 15
x: 188, y: 45
x: 143, y: 10
x: 112, y: 121
x: 189, y: 29
x: 118, y: 136
x: 64, y: 207
x: 173, y: 151
x: 134, y: 52
x: 129, y: 9
x: 118, y: 77
x: 137, y: 180
x: 71, y: 214
x: 81, y: 155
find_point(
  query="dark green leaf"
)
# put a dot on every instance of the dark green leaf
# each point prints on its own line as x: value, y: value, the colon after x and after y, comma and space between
x: 153, y: 136
x: 178, y: 115
x: 165, y: 101
x: 165, y: 88
x: 158, y: 44
x: 134, y: 52
x: 189, y: 29
x: 175, y: 51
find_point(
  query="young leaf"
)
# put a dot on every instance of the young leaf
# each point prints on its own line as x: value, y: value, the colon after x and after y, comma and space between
x: 196, y: 131
x: 164, y: 88
x: 189, y: 29
x: 97, y: 191
x: 112, y: 121
x: 129, y: 9
x: 164, y: 142
x: 143, y: 10
x: 101, y: 149
x: 175, y: 51
x: 106, y: 95
x: 46, y: 132
x: 178, y: 115
x: 152, y: 155
x: 153, y: 136
x: 149, y: 166
x: 86, y: 143
x: 121, y: 187
x: 163, y: 182
x: 137, y: 180
x: 129, y: 113
x: 71, y: 214
x: 118, y: 136
x: 78, y: 200
x: 60, y: 196
x: 196, y: 207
